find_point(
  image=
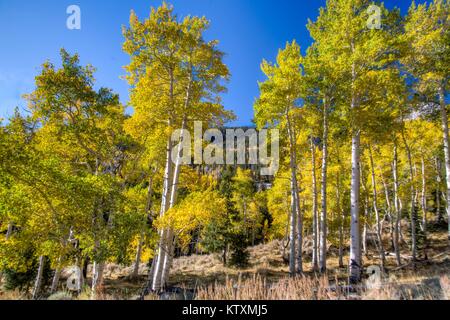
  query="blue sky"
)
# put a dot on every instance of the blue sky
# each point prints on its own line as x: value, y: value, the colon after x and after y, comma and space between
x: 249, y: 31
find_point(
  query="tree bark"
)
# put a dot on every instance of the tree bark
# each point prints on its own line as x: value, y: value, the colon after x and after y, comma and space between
x: 294, y: 195
x: 323, y: 212
x: 97, y: 278
x: 388, y: 210
x: 412, y: 199
x: 439, y: 217
x: 173, y: 200
x: 397, y: 208
x: 355, y: 262
x: 56, y: 276
x: 99, y: 265
x: 315, y: 220
x: 162, y: 246
x: 424, y: 210
x: 148, y: 208
x: 292, y: 231
x: 224, y: 255
x: 170, y: 241
x: 147, y: 289
x: 366, y: 212
x: 341, y: 223
x: 160, y: 257
x: 299, y: 235
x: 38, y: 281
x: 137, y: 260
x: 377, y: 213
x: 424, y: 198
x: 55, y: 281
x: 444, y: 119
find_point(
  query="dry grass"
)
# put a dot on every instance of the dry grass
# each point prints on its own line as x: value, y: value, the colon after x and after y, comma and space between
x: 258, y: 288
x: 12, y: 295
x: 266, y: 278
x: 203, y: 270
x: 320, y: 288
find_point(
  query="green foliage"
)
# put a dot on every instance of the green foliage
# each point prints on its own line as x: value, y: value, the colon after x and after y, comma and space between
x: 239, y: 255
x: 24, y: 279
x: 81, y: 179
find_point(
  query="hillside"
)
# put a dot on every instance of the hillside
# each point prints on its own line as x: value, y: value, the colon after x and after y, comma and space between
x: 209, y: 279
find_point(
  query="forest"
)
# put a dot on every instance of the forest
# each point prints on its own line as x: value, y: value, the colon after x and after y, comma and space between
x: 93, y: 207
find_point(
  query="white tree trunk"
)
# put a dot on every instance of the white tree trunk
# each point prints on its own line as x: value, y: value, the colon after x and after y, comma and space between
x: 173, y: 200
x: 366, y: 210
x: 355, y: 260
x: 97, y: 278
x: 315, y: 220
x: 158, y: 260
x: 323, y: 212
x: 413, y: 201
x: 355, y: 268
x: 38, y: 281
x: 168, y: 258
x: 162, y: 246
x: 446, y: 148
x: 146, y: 290
x: 82, y: 277
x: 137, y: 260
x: 299, y: 235
x: 294, y: 197
x: 438, y: 190
x: 56, y: 276
x: 341, y: 214
x: 388, y: 212
x: 424, y: 198
x: 397, y: 208
x: 364, y: 232
x: 377, y: 213
x: 165, y: 262
x: 55, y: 281
x: 292, y: 230
x: 400, y: 231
